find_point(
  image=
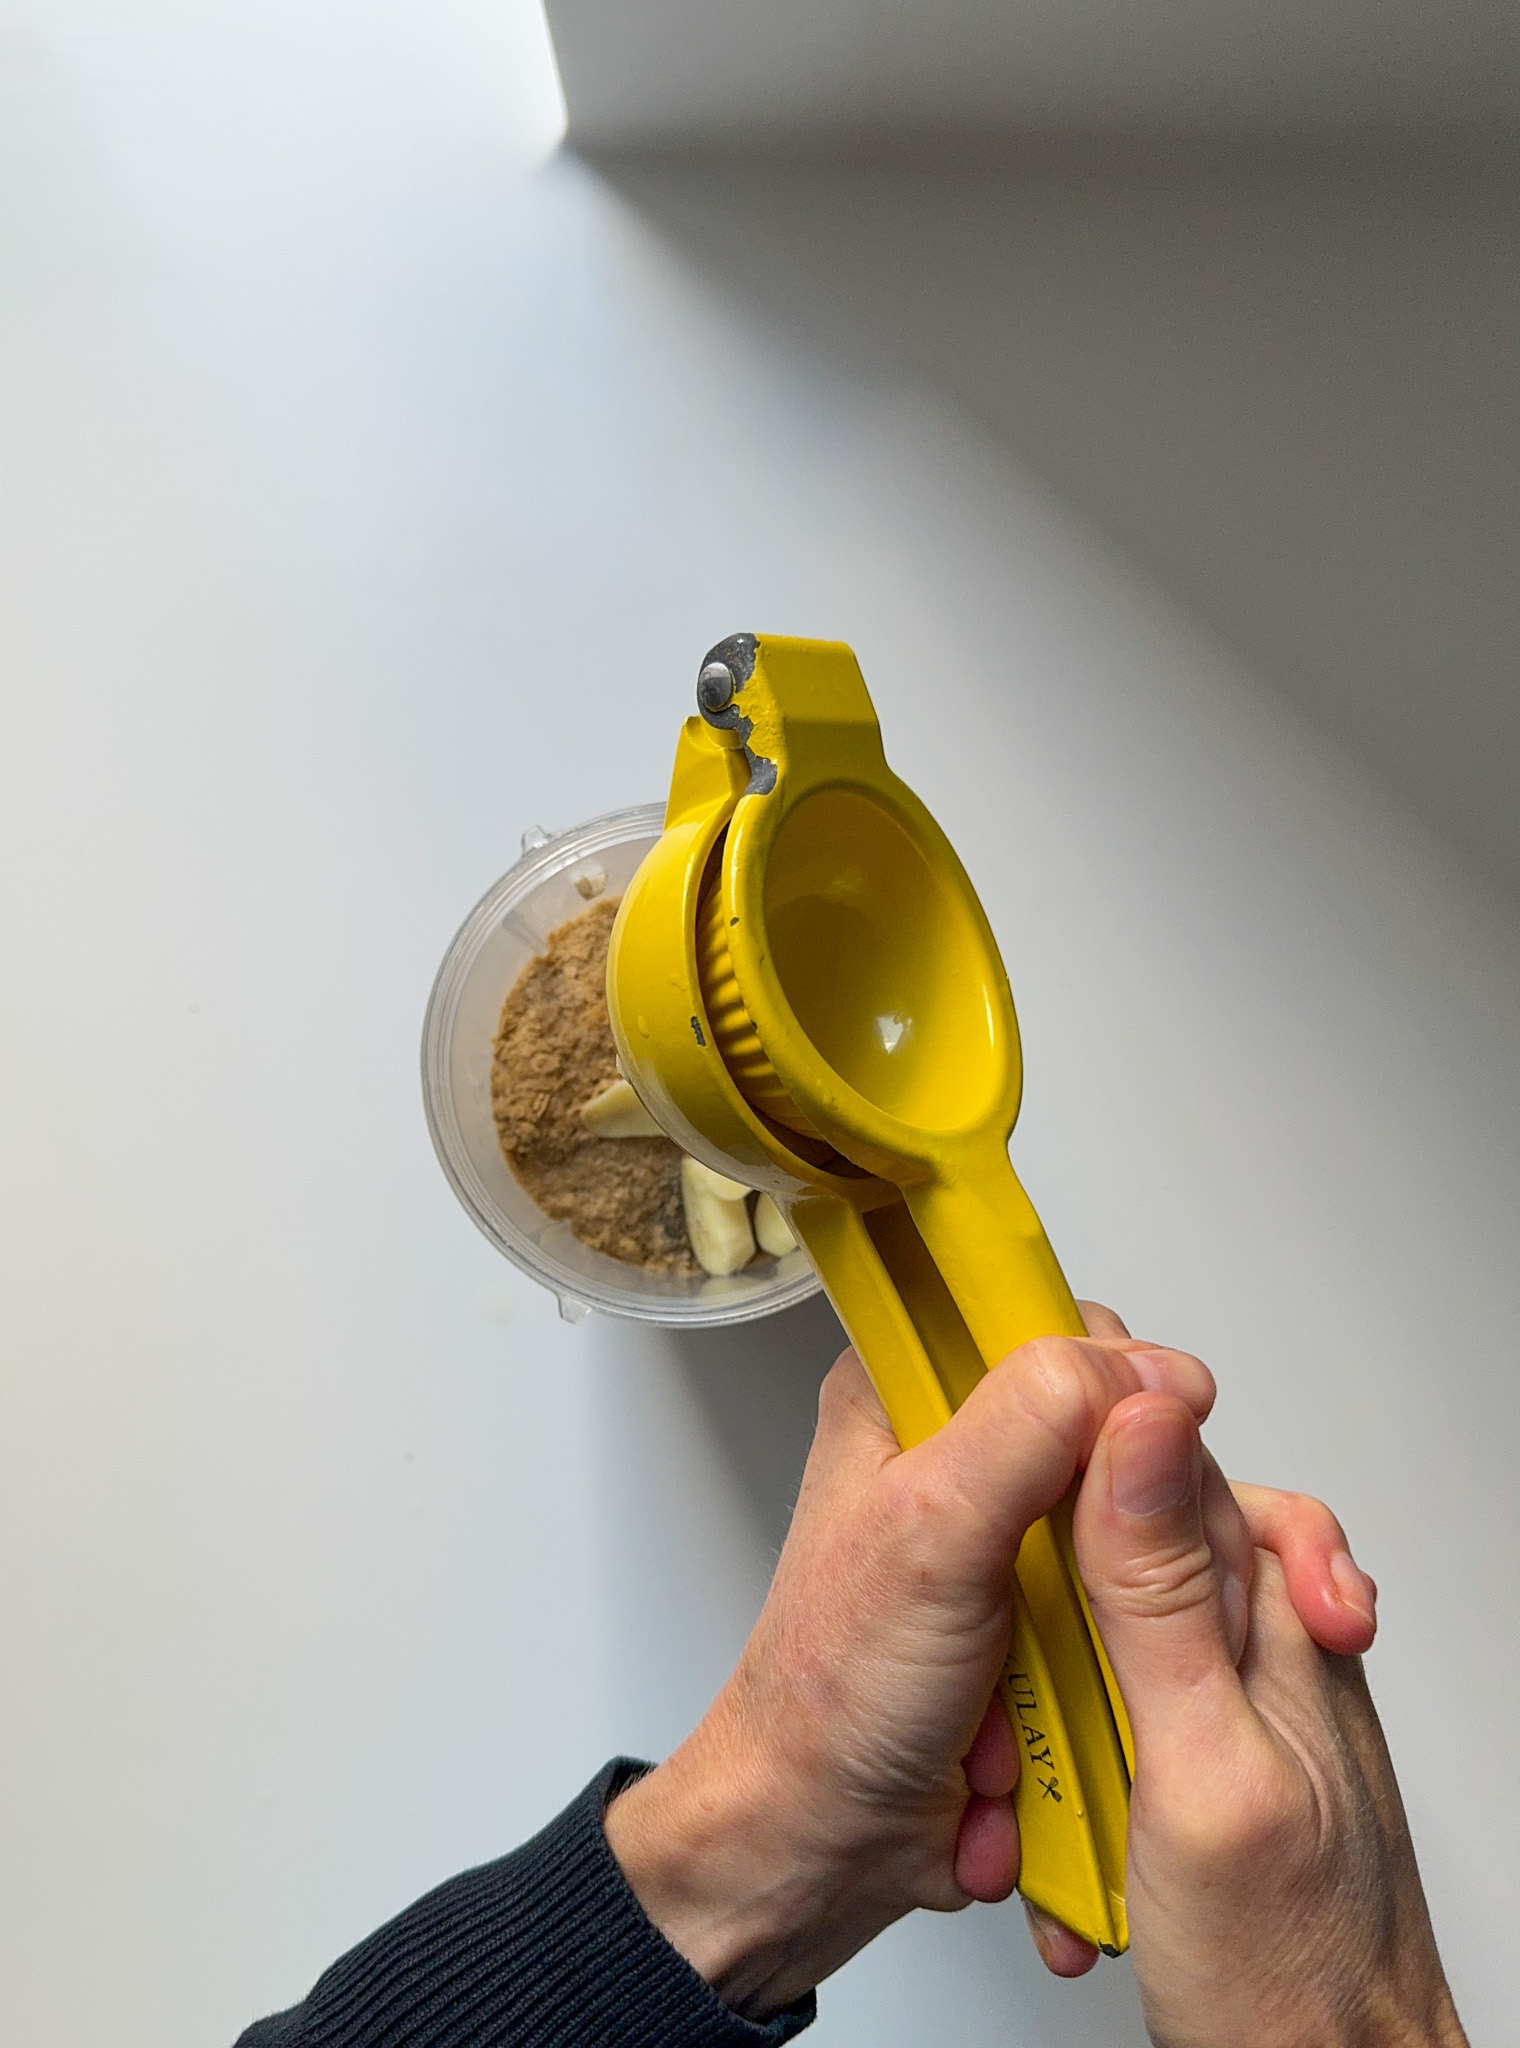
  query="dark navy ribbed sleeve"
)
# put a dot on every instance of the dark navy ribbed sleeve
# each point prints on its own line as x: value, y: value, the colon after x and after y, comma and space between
x: 547, y: 1948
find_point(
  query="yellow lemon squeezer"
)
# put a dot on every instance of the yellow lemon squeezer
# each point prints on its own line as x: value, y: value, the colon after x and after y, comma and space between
x: 806, y: 994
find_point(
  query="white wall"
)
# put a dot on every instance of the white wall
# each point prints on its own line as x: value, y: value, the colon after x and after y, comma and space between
x: 342, y: 454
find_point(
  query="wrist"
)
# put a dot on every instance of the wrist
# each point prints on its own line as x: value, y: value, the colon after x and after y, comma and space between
x: 1406, y: 2005
x: 730, y: 1865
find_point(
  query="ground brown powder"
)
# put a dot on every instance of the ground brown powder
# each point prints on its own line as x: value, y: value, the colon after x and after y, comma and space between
x: 553, y: 1052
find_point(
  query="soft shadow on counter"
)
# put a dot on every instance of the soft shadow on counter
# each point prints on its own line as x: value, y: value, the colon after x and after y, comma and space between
x: 1289, y: 394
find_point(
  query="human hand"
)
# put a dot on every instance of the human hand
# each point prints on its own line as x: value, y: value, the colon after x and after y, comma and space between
x: 1272, y: 1889
x: 856, y: 1765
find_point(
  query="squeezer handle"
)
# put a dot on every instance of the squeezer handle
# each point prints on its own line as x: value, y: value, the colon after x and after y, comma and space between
x: 933, y: 1290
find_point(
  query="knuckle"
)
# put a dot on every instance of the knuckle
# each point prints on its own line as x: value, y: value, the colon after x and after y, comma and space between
x: 1204, y: 1386
x: 1317, y: 1519
x: 845, y: 1396
x: 1054, y: 1382
x: 1186, y: 1376
x: 837, y: 1387
x: 1302, y: 1524
x: 1102, y: 1321
x: 1243, y: 1822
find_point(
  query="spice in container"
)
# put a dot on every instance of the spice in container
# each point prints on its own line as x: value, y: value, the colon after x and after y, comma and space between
x: 582, y: 1144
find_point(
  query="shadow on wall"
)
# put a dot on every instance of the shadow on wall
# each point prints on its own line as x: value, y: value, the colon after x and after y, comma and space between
x: 1292, y: 400
x: 757, y: 1388
x: 700, y: 1438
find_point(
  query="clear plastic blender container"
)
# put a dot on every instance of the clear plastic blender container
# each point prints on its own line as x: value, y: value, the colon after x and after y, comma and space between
x: 559, y: 876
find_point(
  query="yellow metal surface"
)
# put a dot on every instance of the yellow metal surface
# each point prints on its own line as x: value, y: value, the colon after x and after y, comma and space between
x: 806, y: 994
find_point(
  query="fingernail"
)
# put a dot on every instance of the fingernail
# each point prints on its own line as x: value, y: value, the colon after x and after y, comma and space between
x: 1236, y: 1603
x: 1151, y: 1465
x: 1355, y: 1588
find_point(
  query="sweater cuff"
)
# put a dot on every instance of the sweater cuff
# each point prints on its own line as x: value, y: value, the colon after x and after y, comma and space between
x: 547, y: 1948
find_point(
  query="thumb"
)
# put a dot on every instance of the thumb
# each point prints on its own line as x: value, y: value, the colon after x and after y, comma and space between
x: 1150, y: 1576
